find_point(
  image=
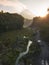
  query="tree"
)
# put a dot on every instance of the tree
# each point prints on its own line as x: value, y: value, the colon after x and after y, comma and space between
x: 1, y: 11
x: 10, y: 22
x: 48, y: 10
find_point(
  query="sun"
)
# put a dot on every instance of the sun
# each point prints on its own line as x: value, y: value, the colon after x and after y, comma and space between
x: 41, y: 13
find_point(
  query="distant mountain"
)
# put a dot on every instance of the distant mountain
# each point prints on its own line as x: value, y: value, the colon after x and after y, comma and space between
x: 27, y: 22
x: 27, y: 14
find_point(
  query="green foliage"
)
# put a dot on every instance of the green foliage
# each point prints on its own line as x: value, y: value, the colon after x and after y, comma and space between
x: 42, y: 23
x: 44, y: 29
x: 45, y: 33
x: 12, y: 43
x: 10, y: 21
x: 14, y: 39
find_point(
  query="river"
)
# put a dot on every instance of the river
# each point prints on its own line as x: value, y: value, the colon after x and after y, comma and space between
x: 43, y: 58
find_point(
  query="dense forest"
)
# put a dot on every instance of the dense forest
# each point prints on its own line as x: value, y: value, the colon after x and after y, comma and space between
x: 10, y: 22
x: 12, y: 41
x: 42, y: 24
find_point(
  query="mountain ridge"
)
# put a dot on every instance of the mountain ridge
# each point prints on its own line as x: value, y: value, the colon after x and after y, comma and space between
x: 27, y: 14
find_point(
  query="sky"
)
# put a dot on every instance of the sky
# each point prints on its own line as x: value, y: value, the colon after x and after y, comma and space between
x: 37, y: 7
x: 12, y: 6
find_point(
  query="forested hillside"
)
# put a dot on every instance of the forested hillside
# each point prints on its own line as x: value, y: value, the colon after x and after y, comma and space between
x: 14, y: 39
x: 10, y: 22
x: 42, y: 24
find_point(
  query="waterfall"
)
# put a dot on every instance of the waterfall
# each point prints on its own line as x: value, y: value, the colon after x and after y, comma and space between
x: 23, y: 53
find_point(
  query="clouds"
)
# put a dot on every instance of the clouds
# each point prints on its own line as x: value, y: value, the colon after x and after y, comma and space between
x: 6, y: 8
x: 10, y: 5
x: 7, y: 2
x: 36, y: 6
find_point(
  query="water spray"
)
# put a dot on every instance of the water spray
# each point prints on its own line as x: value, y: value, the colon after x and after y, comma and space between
x: 23, y: 53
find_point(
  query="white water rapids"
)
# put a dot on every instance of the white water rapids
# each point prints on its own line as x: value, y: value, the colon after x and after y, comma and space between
x: 23, y: 53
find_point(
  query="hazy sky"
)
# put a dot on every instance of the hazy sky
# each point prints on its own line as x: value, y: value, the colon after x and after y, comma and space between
x: 37, y: 7
x: 11, y: 6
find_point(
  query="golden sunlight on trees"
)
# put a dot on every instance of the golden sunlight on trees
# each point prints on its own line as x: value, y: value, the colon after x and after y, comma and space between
x: 1, y: 11
x: 48, y: 10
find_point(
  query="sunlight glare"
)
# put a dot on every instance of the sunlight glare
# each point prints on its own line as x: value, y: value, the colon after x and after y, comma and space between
x: 41, y: 13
